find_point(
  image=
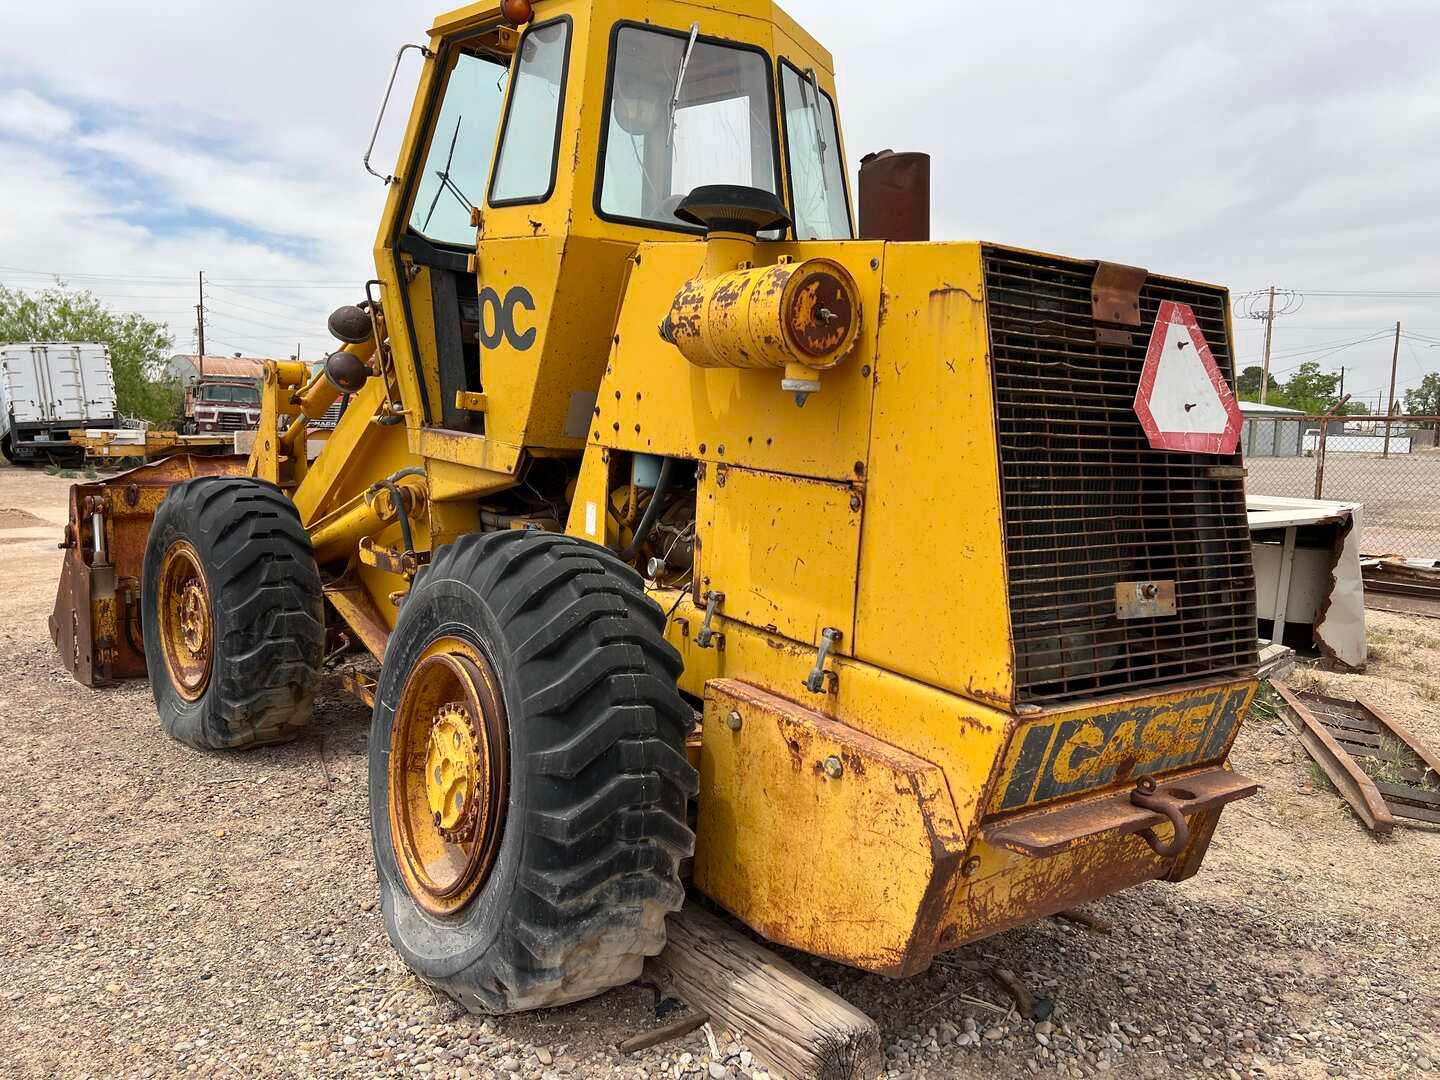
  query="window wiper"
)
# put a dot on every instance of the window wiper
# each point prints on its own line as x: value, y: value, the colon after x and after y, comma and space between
x: 814, y: 106
x: 446, y: 183
x: 680, y: 82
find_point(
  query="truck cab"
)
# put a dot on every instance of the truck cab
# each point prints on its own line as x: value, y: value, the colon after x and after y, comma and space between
x: 222, y: 404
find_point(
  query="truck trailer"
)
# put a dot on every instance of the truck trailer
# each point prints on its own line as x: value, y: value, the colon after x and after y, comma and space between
x: 46, y: 390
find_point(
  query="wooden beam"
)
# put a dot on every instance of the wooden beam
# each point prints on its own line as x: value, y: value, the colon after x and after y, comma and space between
x: 795, y: 1027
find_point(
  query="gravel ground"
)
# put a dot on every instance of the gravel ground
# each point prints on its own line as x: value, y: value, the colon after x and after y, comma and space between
x: 167, y: 912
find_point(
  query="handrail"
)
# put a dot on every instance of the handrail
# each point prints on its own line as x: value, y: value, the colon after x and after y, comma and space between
x: 385, y: 104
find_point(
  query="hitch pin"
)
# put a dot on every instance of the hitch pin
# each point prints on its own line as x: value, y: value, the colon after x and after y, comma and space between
x: 829, y: 638
x: 706, y: 636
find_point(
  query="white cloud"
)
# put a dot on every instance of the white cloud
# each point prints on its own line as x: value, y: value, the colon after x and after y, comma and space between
x: 26, y: 114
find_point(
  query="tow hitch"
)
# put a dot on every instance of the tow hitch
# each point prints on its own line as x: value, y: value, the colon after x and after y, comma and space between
x: 1052, y: 830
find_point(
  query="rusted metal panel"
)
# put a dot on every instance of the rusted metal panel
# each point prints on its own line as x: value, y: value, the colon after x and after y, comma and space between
x: 1115, y: 293
x: 895, y: 197
x: 1043, y: 833
x: 70, y: 624
x: 1053, y: 757
x: 96, y: 621
x: 821, y: 837
x: 1144, y: 599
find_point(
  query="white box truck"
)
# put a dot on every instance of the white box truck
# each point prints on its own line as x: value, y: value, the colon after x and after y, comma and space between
x: 46, y: 390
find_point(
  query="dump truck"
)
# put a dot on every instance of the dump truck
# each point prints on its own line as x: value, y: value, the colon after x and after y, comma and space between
x: 222, y: 393
x: 681, y: 535
x: 48, y: 389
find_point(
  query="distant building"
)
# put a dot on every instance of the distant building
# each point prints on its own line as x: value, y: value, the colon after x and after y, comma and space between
x: 1272, y: 431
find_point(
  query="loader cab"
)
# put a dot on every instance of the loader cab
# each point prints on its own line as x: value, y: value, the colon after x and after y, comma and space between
x: 539, y: 158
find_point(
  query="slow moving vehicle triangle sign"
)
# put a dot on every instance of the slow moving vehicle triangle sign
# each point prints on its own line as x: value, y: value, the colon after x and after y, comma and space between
x: 1184, y: 402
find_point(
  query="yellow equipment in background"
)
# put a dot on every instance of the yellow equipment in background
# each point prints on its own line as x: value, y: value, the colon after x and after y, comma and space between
x: 667, y: 516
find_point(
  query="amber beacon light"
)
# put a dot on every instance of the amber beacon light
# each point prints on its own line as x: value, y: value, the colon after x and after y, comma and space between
x: 517, y: 12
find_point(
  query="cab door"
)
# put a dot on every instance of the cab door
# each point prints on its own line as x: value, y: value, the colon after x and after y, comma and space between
x: 425, y: 254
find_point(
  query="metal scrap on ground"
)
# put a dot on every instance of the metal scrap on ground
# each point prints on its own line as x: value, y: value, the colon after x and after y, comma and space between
x: 1382, y: 770
x: 1407, y: 586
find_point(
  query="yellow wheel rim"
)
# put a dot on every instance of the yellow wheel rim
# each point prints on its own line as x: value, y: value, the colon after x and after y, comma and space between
x: 187, y: 625
x: 449, y: 776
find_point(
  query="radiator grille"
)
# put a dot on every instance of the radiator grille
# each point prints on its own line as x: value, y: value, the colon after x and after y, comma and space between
x: 1088, y: 504
x: 231, y: 421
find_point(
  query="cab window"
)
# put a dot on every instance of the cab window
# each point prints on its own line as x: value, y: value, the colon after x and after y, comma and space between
x: 812, y: 146
x: 461, y: 146
x: 530, y: 144
x: 721, y: 130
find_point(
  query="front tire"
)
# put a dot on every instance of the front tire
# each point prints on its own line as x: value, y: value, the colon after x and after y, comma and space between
x: 528, y: 778
x: 232, y: 613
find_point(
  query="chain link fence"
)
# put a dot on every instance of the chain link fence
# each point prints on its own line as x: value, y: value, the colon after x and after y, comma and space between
x: 1394, y: 473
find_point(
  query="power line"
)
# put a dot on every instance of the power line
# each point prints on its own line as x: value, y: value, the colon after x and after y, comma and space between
x: 260, y: 299
x: 230, y: 316
x: 305, y: 283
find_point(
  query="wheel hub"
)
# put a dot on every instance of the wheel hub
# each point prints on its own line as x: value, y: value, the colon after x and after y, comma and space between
x: 449, y: 775
x: 194, y: 618
x: 186, y: 620
x: 452, y: 772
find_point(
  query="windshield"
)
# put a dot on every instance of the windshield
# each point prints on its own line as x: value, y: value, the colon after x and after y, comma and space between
x: 459, y: 159
x: 246, y: 395
x: 817, y: 173
x: 724, y: 129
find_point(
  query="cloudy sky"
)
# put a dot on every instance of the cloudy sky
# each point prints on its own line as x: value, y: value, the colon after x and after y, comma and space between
x: 1250, y: 143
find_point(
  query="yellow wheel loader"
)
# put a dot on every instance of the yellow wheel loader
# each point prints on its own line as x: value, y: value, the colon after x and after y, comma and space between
x: 889, y: 593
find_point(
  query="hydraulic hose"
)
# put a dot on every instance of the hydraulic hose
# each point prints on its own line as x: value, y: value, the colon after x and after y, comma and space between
x: 652, y: 512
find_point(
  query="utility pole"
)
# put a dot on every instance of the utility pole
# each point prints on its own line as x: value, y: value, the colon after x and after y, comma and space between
x: 1342, y: 380
x: 200, y: 324
x: 1269, y: 336
x: 1394, y: 367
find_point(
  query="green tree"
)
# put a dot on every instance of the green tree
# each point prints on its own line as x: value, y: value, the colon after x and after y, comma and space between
x: 1424, y: 400
x: 1309, y: 390
x: 1249, y: 383
x: 138, y: 346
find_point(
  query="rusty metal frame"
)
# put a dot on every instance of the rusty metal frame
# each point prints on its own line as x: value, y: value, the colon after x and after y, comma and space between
x: 1342, y: 769
x: 1360, y: 727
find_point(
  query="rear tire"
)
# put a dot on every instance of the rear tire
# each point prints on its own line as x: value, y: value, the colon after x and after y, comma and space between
x: 7, y: 449
x: 232, y: 613
x: 583, y: 849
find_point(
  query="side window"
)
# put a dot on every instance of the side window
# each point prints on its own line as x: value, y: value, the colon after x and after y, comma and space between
x: 525, y: 171
x: 817, y: 172
x: 460, y: 149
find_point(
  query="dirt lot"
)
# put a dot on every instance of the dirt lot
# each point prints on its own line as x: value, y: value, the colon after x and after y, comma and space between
x: 167, y: 912
x: 1401, y: 495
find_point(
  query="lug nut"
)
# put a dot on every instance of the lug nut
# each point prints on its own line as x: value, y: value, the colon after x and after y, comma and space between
x: 834, y: 768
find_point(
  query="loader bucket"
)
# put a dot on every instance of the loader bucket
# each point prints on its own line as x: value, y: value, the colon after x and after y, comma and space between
x: 96, y: 622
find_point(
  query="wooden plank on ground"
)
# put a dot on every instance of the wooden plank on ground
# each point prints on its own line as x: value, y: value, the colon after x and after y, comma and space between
x: 793, y: 1025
